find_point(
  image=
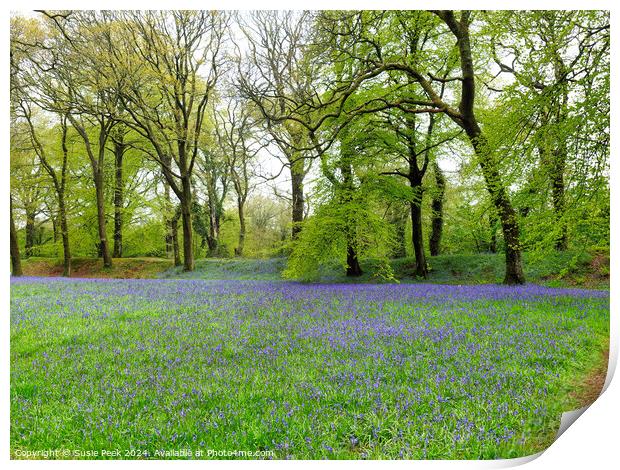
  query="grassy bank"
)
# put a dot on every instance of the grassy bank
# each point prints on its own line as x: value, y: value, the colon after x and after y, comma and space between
x: 570, y: 268
x: 122, y: 268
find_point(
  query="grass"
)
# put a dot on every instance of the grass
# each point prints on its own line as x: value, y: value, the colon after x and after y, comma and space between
x: 229, y: 269
x: 555, y: 269
x: 299, y: 371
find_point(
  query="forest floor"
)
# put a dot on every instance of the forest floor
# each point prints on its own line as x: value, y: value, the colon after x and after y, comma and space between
x: 566, y: 269
x: 341, y: 370
x: 122, y: 268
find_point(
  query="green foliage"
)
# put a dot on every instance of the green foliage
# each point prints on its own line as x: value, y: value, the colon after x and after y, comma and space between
x: 545, y: 117
x: 325, y: 237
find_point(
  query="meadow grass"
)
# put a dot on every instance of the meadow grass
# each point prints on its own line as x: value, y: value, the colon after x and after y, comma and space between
x: 305, y: 371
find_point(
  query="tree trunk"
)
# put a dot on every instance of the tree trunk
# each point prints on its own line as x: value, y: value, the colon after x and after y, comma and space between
x: 172, y: 226
x: 466, y: 119
x: 215, y: 209
x: 421, y: 268
x: 240, y: 207
x: 119, y: 150
x: 505, y: 211
x: 554, y: 163
x: 16, y: 263
x: 103, y: 238
x: 212, y: 243
x: 214, y: 229
x: 66, y: 248
x: 168, y: 220
x: 434, y: 241
x: 174, y: 235
x: 30, y: 232
x: 353, y: 266
x: 493, y: 230
x: 400, y: 251
x: 557, y: 193
x: 62, y: 208
x: 168, y: 238
x: 346, y: 190
x: 559, y: 156
x: 186, y: 216
x: 297, y: 192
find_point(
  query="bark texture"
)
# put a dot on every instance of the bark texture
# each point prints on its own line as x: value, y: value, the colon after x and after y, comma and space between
x: 242, y: 228
x: 119, y: 185
x: 16, y: 264
x: 434, y: 242
x: 297, y: 192
x: 417, y: 239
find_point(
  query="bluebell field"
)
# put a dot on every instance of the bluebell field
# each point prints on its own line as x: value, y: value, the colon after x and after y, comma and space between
x: 306, y: 371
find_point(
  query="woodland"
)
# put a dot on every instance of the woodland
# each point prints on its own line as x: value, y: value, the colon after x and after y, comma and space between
x: 319, y: 137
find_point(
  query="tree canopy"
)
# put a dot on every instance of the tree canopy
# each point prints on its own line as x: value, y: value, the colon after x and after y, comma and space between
x: 323, y: 136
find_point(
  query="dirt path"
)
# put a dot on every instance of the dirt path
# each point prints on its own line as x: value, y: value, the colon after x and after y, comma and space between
x: 590, y: 388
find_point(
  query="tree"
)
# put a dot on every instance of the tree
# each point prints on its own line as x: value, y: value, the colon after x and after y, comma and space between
x: 235, y: 137
x: 556, y: 60
x: 65, y: 72
x: 344, y: 228
x: 275, y: 76
x: 418, y: 146
x: 120, y: 146
x: 22, y: 85
x: 171, y: 221
x: 374, y: 63
x: 159, y: 58
x: 345, y: 195
x: 58, y: 177
x: 465, y: 117
x: 214, y: 174
x: 397, y: 215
